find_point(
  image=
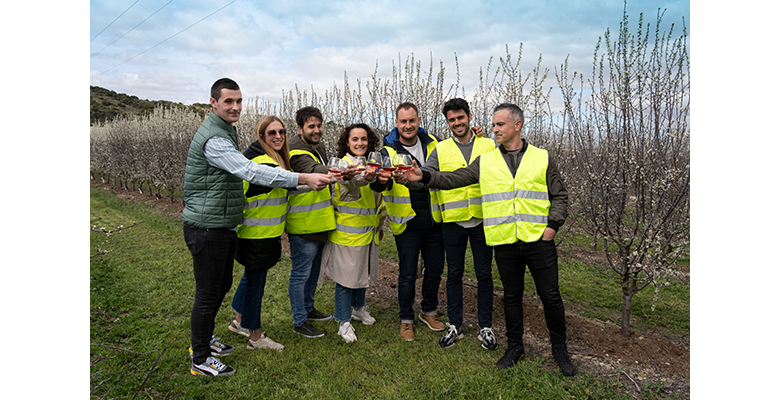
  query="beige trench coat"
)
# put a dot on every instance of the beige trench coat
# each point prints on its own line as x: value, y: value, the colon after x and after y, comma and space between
x: 353, y: 267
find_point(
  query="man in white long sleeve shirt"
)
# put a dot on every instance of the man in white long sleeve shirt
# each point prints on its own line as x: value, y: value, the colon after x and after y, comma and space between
x: 213, y: 196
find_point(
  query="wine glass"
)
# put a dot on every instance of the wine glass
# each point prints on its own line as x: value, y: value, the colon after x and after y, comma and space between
x: 405, y: 163
x: 374, y: 159
x: 360, y: 164
x: 335, y: 168
x: 386, y: 164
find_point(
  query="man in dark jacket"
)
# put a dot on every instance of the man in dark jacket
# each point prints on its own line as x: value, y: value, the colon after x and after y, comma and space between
x: 411, y: 219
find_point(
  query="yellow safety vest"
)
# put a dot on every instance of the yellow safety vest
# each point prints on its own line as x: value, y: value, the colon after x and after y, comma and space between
x: 514, y: 208
x: 398, y: 199
x: 462, y: 203
x: 309, y: 212
x: 263, y: 215
x: 357, y: 221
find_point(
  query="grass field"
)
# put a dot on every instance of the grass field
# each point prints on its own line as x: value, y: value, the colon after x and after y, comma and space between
x: 141, y: 294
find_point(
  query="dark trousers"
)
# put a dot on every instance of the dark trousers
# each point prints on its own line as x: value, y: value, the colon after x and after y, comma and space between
x: 213, y: 257
x: 541, y: 258
x: 455, y: 238
x: 409, y: 243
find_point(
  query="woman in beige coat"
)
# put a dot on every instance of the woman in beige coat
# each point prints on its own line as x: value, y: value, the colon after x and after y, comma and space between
x: 351, y: 255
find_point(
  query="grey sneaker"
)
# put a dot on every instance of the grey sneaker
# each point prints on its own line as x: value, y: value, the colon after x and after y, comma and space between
x: 264, y: 343
x: 235, y: 327
x: 454, y: 333
x: 488, y: 338
x: 211, y: 367
x: 308, y: 330
x: 362, y: 314
x: 316, y: 315
x: 217, y: 348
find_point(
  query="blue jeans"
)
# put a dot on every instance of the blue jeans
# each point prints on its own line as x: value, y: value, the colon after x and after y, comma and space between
x: 306, y: 256
x: 455, y: 237
x: 347, y: 298
x: 429, y: 242
x: 541, y: 259
x: 213, y: 258
x: 247, y: 300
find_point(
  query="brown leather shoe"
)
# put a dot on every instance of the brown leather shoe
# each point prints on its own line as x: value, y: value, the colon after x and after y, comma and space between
x: 406, y: 332
x: 432, y: 322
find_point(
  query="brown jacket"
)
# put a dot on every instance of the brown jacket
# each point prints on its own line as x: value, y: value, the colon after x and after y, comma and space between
x: 305, y: 164
x: 558, y: 196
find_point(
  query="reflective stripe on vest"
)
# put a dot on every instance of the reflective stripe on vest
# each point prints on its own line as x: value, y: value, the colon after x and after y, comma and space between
x: 309, y: 212
x: 356, y: 221
x: 514, y: 208
x: 398, y: 203
x: 434, y: 203
x: 462, y: 203
x: 263, y: 215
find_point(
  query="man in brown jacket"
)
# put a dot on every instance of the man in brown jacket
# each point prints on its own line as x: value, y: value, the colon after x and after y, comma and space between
x: 535, y: 247
x: 308, y: 154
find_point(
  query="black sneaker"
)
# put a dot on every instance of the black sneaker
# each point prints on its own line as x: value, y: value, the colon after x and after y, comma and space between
x: 513, y: 354
x: 560, y: 352
x: 316, y: 315
x: 211, y: 367
x: 451, y: 336
x: 308, y: 330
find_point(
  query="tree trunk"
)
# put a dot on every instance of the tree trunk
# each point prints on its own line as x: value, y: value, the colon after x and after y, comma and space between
x: 626, y: 307
x: 627, y: 291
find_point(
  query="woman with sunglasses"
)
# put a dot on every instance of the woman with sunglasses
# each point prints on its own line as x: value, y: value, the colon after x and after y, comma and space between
x: 258, y: 246
x: 351, y: 256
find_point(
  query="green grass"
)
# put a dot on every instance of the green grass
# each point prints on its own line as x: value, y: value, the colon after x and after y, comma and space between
x: 141, y: 296
x: 600, y: 297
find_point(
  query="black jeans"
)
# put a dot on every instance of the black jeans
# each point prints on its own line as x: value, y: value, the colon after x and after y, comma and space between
x: 429, y: 242
x: 213, y: 257
x: 455, y: 238
x: 541, y: 258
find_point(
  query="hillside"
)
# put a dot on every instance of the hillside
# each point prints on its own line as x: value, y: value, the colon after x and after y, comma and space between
x: 107, y: 104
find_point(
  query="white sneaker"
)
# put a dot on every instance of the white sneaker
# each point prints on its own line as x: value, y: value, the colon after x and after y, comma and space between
x: 264, y: 343
x: 347, y: 332
x: 362, y: 314
x: 235, y: 327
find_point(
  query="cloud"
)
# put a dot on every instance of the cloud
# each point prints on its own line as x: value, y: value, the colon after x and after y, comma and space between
x: 278, y: 45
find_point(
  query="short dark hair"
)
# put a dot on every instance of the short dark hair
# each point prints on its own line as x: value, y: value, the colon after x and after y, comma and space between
x: 514, y: 111
x: 343, y: 147
x: 223, y: 83
x: 305, y: 113
x: 406, y: 105
x: 456, y: 105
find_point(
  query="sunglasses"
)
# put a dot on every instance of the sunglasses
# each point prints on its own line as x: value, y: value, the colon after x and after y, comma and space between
x: 273, y: 132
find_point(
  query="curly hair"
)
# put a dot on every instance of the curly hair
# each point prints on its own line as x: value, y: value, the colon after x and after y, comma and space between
x: 343, y: 146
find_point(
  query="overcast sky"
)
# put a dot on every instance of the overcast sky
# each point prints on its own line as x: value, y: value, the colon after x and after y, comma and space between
x: 174, y: 50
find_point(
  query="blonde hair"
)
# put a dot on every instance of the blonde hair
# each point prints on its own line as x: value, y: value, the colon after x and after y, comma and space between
x: 283, y: 156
